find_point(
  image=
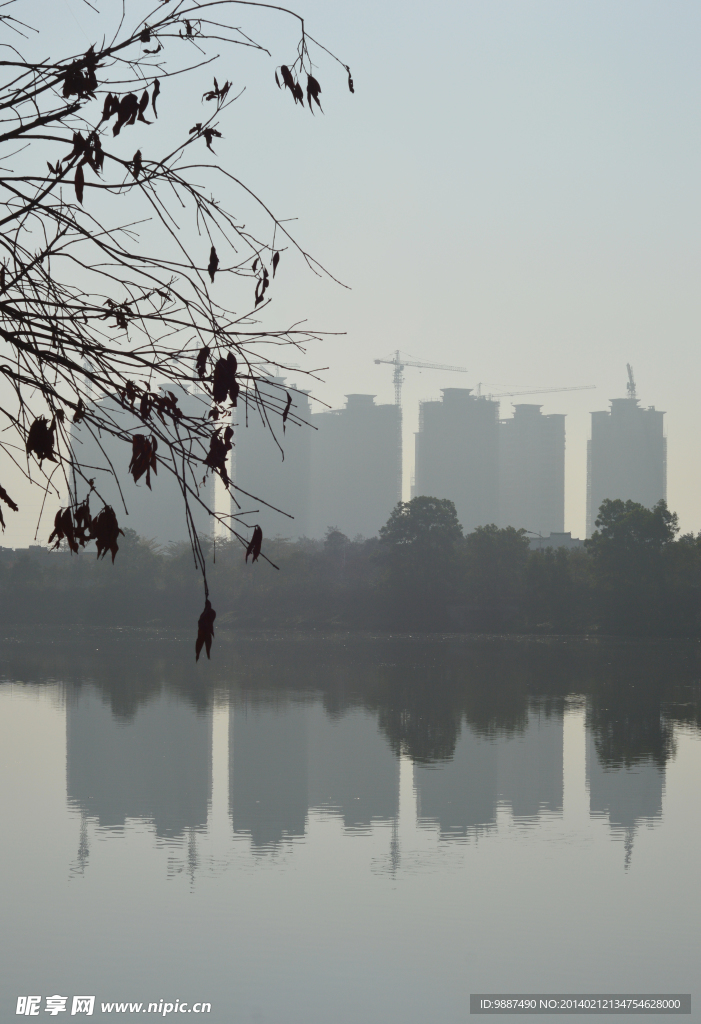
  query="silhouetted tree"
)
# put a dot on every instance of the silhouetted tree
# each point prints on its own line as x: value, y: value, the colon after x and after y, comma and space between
x: 558, y: 591
x: 629, y: 567
x: 103, y: 327
x: 420, y: 544
x: 495, y: 561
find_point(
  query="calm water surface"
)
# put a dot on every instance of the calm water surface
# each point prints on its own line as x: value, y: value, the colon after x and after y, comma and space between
x: 336, y: 829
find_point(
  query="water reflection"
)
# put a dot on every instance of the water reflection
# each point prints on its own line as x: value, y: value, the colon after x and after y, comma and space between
x: 521, y: 769
x: 626, y: 794
x: 152, y: 763
x: 287, y: 758
x: 268, y: 758
x: 310, y: 829
x: 319, y: 727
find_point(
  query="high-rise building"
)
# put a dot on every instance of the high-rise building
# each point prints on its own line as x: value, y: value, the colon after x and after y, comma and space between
x: 355, y: 467
x: 532, y: 470
x: 157, y: 513
x: 457, y: 455
x: 273, y: 465
x: 626, y: 457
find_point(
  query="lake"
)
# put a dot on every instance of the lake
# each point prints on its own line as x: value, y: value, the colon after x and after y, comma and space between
x: 346, y: 828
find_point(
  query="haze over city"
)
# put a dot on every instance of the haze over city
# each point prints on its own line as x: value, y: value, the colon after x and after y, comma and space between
x: 512, y: 188
x: 353, y: 671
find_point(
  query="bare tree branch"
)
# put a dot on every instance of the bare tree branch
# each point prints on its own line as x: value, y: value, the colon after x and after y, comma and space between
x: 102, y: 330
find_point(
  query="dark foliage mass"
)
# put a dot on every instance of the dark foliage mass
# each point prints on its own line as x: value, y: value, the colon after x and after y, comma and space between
x: 118, y: 261
x: 635, y: 577
x: 423, y: 690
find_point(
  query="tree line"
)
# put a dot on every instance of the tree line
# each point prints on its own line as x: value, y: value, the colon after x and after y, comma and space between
x: 634, y: 577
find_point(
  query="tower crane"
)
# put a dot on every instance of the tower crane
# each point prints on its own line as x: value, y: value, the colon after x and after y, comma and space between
x: 541, y: 391
x: 399, y: 363
x: 630, y: 386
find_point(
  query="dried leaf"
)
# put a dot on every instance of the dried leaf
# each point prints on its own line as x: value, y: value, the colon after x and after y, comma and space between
x: 205, y: 630
x: 79, y: 411
x: 276, y: 260
x: 313, y: 90
x: 79, y: 183
x: 107, y: 108
x: 143, y: 457
x: 136, y: 164
x: 79, y: 78
x: 40, y: 440
x: 4, y: 496
x: 130, y: 393
x: 287, y: 410
x: 201, y: 362
x: 143, y: 103
x: 63, y: 530
x: 213, y: 264
x: 255, y: 544
x: 287, y: 78
x: 127, y: 112
x: 209, y: 134
x: 224, y: 380
x: 104, y: 530
x: 216, y: 93
x: 219, y: 448
x: 350, y: 80
x: 74, y: 525
x: 154, y: 96
x: 95, y: 153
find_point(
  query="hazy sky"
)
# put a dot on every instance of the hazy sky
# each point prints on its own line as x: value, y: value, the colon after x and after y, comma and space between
x: 512, y: 188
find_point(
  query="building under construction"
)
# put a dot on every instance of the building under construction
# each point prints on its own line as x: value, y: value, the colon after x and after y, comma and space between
x: 343, y: 471
x: 272, y: 467
x: 157, y: 513
x: 356, y: 470
x: 626, y: 456
x: 457, y: 454
x: 532, y: 471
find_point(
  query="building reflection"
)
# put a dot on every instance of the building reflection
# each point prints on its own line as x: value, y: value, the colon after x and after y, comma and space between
x: 521, y: 769
x: 155, y: 765
x: 288, y: 758
x: 482, y: 736
x: 460, y: 795
x: 630, y: 739
x: 352, y: 770
x: 268, y: 770
x: 530, y: 767
x: 627, y: 794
